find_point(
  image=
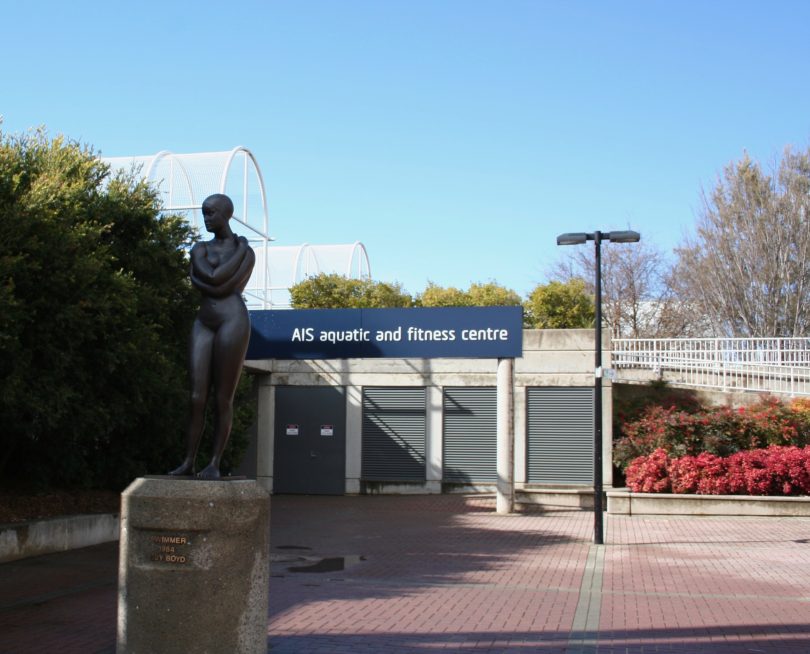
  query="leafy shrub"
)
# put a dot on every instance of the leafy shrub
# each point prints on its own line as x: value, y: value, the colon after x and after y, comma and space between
x: 649, y: 474
x: 684, y: 474
x: 801, y: 405
x: 720, y: 431
x: 95, y: 312
x: 775, y: 470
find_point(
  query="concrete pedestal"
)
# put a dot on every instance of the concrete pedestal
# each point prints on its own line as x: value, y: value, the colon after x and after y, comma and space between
x: 194, y: 567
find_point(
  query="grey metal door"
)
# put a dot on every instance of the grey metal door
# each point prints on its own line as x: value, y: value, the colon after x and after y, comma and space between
x: 394, y: 427
x: 559, y: 430
x: 310, y: 440
x: 470, y: 434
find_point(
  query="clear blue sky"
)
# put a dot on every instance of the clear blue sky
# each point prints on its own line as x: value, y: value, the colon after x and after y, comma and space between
x: 455, y: 138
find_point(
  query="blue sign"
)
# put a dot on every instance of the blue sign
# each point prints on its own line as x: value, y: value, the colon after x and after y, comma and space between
x: 472, y: 332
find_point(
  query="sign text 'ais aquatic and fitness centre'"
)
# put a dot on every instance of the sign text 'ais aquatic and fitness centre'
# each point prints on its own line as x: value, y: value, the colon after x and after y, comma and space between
x: 472, y: 332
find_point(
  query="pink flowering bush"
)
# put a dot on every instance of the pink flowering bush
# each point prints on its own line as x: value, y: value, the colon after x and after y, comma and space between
x: 649, y: 474
x: 712, y: 475
x: 774, y: 470
x: 704, y: 474
x: 684, y: 474
x: 720, y: 431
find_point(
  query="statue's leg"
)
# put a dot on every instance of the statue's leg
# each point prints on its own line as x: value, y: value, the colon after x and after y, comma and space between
x: 230, y: 345
x: 199, y: 366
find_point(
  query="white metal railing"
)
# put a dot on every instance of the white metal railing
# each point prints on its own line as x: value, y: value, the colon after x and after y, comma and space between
x: 776, y: 365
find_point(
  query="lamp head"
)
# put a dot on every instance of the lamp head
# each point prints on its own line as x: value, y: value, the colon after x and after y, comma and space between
x: 573, y: 238
x: 622, y: 237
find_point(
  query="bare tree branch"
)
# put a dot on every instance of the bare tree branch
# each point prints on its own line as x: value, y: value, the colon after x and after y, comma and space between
x: 747, y: 268
x: 636, y: 298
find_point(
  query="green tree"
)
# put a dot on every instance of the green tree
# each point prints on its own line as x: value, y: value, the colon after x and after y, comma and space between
x: 95, y: 312
x: 439, y: 296
x: 560, y: 305
x: 333, y: 291
x: 492, y: 294
x: 489, y: 294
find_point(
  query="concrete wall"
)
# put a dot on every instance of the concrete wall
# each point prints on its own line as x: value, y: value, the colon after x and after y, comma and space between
x: 627, y: 391
x: 18, y: 541
x: 550, y: 358
x: 626, y: 503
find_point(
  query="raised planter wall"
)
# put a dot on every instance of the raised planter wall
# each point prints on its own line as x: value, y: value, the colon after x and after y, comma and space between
x: 624, y: 502
x: 556, y: 498
x: 18, y: 541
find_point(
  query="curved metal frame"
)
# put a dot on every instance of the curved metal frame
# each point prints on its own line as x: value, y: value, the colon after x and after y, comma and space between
x: 224, y: 178
x: 152, y: 167
x: 358, y: 246
x: 265, y: 241
x: 260, y: 288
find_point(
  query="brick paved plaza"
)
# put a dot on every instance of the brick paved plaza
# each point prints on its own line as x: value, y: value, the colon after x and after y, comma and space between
x: 445, y: 573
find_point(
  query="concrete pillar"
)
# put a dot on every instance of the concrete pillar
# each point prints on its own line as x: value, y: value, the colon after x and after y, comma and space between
x: 506, y: 436
x: 265, y: 432
x: 607, y: 435
x: 354, y: 438
x: 434, y: 438
x: 520, y: 435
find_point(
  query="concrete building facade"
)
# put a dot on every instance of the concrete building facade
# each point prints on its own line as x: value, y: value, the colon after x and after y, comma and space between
x: 428, y: 425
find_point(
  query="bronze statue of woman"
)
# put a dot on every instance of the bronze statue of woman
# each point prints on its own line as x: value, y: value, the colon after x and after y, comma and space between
x: 220, y: 269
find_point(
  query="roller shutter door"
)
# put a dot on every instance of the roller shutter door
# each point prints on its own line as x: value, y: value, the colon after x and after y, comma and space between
x: 470, y: 434
x: 394, y: 434
x: 560, y: 435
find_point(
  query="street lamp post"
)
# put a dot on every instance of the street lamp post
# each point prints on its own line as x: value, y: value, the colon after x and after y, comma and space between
x: 597, y: 237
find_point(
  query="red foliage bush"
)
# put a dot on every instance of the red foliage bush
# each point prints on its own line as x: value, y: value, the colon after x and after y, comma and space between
x: 774, y: 470
x: 712, y: 475
x: 721, y: 431
x: 684, y: 475
x: 649, y: 474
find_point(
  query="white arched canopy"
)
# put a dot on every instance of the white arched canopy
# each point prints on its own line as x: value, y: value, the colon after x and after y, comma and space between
x: 288, y: 265
x: 185, y: 180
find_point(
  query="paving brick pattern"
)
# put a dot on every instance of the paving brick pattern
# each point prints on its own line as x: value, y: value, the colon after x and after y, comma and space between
x: 697, y: 585
x: 62, y: 602
x: 441, y: 573
x: 445, y: 574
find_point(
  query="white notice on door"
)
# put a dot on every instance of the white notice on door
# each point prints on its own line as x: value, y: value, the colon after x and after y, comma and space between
x: 327, y: 430
x: 292, y: 430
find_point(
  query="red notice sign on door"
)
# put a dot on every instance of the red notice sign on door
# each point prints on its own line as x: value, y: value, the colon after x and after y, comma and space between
x: 292, y: 430
x: 327, y: 430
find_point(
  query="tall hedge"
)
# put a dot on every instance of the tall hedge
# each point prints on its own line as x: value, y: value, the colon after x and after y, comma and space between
x: 95, y: 311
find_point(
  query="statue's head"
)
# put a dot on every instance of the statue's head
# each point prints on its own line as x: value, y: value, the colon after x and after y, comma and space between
x: 217, y: 210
